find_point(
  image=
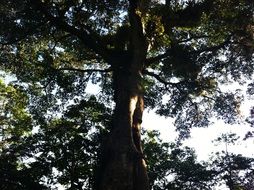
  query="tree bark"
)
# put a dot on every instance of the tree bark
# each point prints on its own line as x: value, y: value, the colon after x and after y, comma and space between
x: 124, y: 164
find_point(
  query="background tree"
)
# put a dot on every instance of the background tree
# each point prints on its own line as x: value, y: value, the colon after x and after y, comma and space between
x: 235, y: 170
x: 65, y: 151
x: 173, y: 167
x: 143, y: 54
x: 16, y: 125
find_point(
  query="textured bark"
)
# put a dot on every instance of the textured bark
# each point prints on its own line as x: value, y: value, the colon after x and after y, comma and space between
x: 124, y: 165
x: 125, y: 168
x: 140, y: 178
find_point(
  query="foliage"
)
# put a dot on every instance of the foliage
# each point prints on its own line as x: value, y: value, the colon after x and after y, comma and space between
x: 57, y: 61
x: 235, y: 170
x: 52, y: 129
x: 172, y: 166
x: 16, y: 126
x: 66, y: 152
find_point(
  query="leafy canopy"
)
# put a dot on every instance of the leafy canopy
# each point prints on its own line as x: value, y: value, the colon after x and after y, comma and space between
x: 54, y: 49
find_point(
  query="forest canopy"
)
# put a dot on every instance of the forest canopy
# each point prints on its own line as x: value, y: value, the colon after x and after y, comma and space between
x: 168, y: 56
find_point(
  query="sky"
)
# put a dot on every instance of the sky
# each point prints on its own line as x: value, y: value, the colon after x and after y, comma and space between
x: 201, y: 138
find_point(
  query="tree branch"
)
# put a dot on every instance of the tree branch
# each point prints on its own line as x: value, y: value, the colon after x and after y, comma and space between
x: 138, y: 40
x: 157, y: 77
x: 213, y: 48
x: 193, y: 37
x: 151, y: 60
x: 86, y: 36
x: 187, y: 17
x: 84, y: 70
x: 22, y: 34
x: 159, y: 57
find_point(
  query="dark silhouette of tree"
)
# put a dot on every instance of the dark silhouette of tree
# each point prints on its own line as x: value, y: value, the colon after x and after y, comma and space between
x: 15, y: 125
x: 234, y: 170
x: 171, y: 166
x: 67, y: 151
x: 139, y: 53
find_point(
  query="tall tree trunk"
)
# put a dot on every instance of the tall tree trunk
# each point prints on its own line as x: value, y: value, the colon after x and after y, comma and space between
x: 125, y: 168
x: 124, y: 165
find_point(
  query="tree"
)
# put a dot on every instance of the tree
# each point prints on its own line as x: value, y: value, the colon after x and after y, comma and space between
x: 63, y: 151
x: 235, y: 170
x: 15, y: 126
x: 140, y: 53
x: 171, y: 166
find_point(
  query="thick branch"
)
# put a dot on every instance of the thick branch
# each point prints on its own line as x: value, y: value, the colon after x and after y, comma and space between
x: 159, y: 57
x: 84, y: 70
x: 161, y: 80
x: 135, y: 21
x: 21, y: 35
x: 86, y: 36
x: 186, y: 17
x: 213, y: 48
x: 138, y: 40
